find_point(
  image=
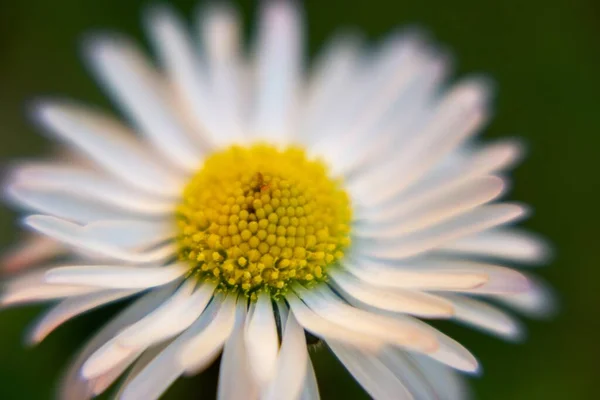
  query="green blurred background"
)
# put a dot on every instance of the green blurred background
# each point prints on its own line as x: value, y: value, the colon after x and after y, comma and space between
x: 545, y: 58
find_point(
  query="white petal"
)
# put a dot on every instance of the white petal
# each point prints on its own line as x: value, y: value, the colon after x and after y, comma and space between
x: 332, y: 72
x: 235, y: 377
x: 116, y: 277
x: 72, y: 385
x: 127, y: 234
x: 140, y: 364
x: 169, y: 320
x: 262, y: 341
x: 378, y: 143
x: 32, y: 287
x: 505, y: 244
x: 500, y: 279
x: 493, y: 279
x: 71, y: 308
x: 70, y: 234
x: 58, y: 205
x: 370, y: 373
x: 389, y: 330
x: 477, y: 220
x: 486, y: 317
x: 109, y: 144
x: 327, y: 329
x: 451, y: 353
x: 390, y: 91
x: 459, y: 115
x: 204, y: 347
x: 395, y: 300
x: 179, y: 56
x: 158, y: 374
x: 538, y: 301
x: 278, y: 68
x: 417, y: 278
x: 401, y: 365
x: 448, y: 384
x: 143, y: 95
x: 166, y: 321
x: 103, y: 382
x: 31, y: 251
x: 311, y: 387
x: 86, y: 184
x: 485, y: 160
x: 220, y: 32
x: 422, y: 212
x: 291, y: 364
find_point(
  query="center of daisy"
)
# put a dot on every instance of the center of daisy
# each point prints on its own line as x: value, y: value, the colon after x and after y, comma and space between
x: 259, y: 217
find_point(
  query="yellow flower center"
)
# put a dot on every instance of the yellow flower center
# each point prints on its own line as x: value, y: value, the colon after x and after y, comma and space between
x: 261, y: 218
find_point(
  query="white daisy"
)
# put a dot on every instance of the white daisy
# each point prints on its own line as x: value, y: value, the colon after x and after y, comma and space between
x: 250, y: 202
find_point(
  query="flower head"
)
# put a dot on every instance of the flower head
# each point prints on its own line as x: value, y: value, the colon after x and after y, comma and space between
x: 249, y: 204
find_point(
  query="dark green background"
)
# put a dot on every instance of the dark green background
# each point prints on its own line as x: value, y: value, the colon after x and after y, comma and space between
x: 545, y: 58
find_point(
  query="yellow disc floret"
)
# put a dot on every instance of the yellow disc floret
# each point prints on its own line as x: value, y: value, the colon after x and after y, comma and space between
x: 259, y: 217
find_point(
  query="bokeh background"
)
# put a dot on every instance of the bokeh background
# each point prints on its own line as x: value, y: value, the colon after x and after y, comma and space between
x: 545, y: 58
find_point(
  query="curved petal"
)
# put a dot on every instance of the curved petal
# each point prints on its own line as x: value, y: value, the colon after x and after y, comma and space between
x: 327, y: 329
x: 448, y: 384
x: 73, y: 386
x: 235, y: 377
x: 311, y: 387
x: 386, y: 329
x: 483, y: 316
x: 291, y: 363
x: 371, y: 373
x: 166, y: 321
x: 72, y: 307
x: 33, y: 287
x: 411, y: 302
x: 262, y: 342
x: 169, y: 364
x: 32, y: 250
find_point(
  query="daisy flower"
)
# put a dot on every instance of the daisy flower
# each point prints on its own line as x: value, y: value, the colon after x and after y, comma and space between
x: 250, y: 206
